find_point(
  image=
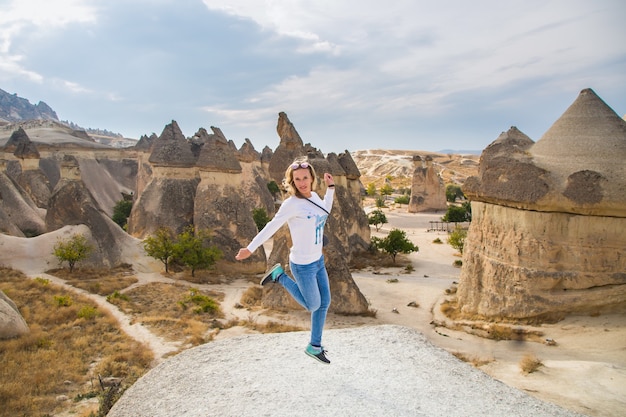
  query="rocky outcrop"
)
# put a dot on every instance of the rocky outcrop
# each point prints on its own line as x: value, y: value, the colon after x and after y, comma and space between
x: 72, y: 203
x: 12, y: 324
x: 290, y: 148
x: 14, y: 109
x: 19, y: 211
x: 27, y: 173
x: 548, y: 219
x: 428, y: 192
x: 220, y: 205
x: 168, y: 197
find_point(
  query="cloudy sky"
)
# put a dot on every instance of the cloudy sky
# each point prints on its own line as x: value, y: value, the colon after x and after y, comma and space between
x: 350, y: 74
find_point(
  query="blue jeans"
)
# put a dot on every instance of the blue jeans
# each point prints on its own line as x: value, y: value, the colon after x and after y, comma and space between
x: 311, y: 290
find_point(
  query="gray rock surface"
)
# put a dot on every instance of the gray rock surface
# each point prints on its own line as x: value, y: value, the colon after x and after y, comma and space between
x: 375, y: 371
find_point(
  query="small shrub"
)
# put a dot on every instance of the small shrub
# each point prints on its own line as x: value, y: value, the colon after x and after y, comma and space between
x: 458, y: 263
x: 530, y: 363
x: 117, y: 295
x: 438, y: 241
x: 87, y: 312
x: 42, y: 281
x: 403, y: 199
x: 203, y: 303
x: 63, y: 300
x: 409, y: 268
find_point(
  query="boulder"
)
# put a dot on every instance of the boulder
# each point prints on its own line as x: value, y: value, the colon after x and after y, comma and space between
x: 12, y: 324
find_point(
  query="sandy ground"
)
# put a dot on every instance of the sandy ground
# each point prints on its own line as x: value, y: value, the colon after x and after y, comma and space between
x: 584, y: 372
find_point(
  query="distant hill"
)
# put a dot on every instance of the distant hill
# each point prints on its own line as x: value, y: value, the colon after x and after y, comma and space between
x: 18, y: 110
x: 396, y: 166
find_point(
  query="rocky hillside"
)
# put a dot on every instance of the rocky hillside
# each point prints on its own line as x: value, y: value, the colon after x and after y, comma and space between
x: 18, y: 112
x: 378, y: 164
x: 15, y: 109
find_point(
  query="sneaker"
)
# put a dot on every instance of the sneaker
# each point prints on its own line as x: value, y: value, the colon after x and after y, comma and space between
x: 317, y: 353
x: 273, y: 274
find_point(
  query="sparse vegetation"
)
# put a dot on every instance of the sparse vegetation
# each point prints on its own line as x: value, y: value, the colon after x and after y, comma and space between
x: 377, y: 218
x: 98, y: 281
x: 403, y: 199
x: 76, y: 342
x: 121, y: 212
x: 386, y: 189
x: 260, y: 217
x: 173, y: 311
x: 475, y: 361
x: 161, y: 246
x: 530, y: 363
x: 273, y: 188
x: 394, y: 243
x: 192, y: 249
x: 457, y: 237
x: 72, y: 250
x: 453, y: 192
x: 455, y: 214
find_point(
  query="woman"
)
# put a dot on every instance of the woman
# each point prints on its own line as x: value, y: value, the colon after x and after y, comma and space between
x: 306, y: 214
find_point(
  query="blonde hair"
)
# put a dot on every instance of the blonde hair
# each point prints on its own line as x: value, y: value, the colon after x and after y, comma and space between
x: 288, y: 180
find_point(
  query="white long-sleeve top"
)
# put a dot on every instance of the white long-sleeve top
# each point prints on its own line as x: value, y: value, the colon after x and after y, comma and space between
x: 306, y: 223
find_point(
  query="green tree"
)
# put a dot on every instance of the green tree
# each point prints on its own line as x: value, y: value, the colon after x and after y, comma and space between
x: 396, y: 242
x: 121, y: 212
x: 72, y: 250
x: 273, y: 188
x: 453, y: 192
x: 192, y: 250
x: 371, y: 189
x: 161, y: 246
x: 386, y: 189
x: 260, y: 217
x: 377, y: 218
x: 380, y: 202
x: 457, y: 238
x: 456, y: 214
x: 467, y: 205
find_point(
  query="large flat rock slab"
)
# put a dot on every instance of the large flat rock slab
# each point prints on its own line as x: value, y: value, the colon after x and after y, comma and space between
x: 375, y: 371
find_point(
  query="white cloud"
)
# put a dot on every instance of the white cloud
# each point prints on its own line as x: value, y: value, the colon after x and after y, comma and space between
x: 35, y: 16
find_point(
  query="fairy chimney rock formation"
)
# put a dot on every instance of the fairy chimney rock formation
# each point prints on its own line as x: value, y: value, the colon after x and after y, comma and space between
x: 220, y: 205
x: 23, y: 149
x: 290, y: 148
x: 167, y: 200
x: 427, y: 189
x: 547, y: 236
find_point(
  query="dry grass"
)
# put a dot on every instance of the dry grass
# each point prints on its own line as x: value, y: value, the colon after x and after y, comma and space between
x: 64, y: 352
x: 252, y: 297
x: 475, y: 361
x: 173, y: 311
x: 98, y: 281
x: 494, y: 328
x: 530, y: 363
